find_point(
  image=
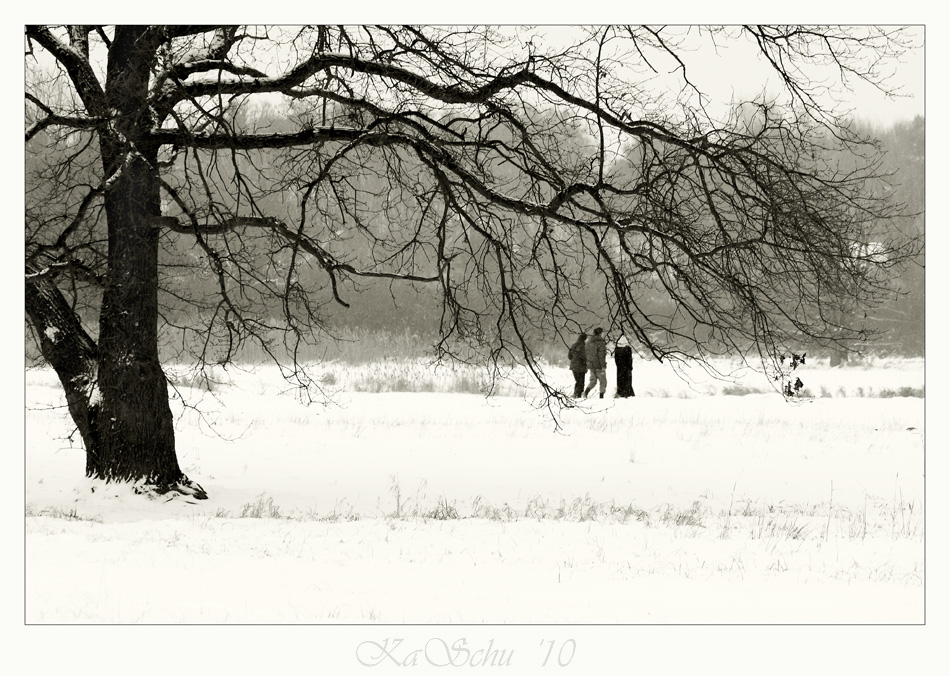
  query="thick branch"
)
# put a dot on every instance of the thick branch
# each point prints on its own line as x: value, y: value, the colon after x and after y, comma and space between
x: 77, y: 66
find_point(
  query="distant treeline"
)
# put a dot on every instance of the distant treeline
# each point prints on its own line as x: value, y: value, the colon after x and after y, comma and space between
x: 402, y: 310
x: 412, y: 313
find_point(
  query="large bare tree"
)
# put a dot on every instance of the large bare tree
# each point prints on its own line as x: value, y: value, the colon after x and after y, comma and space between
x: 528, y: 181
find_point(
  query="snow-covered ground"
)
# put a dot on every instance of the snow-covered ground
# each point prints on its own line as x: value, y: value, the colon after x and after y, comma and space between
x: 676, y: 506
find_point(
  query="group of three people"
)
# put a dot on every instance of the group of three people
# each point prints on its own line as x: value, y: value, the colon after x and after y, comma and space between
x: 590, y: 356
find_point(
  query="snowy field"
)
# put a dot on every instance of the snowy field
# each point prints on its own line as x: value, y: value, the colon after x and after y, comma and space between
x: 682, y: 505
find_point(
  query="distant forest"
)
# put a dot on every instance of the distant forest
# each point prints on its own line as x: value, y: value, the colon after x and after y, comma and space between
x: 896, y: 326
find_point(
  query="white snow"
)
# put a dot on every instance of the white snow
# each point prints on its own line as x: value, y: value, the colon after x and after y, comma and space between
x: 450, y: 508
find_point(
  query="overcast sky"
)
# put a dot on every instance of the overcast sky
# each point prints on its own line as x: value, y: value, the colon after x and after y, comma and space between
x: 734, y: 69
x: 869, y: 103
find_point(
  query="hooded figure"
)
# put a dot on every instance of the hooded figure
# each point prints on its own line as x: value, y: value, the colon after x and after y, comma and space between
x: 623, y: 359
x: 577, y: 355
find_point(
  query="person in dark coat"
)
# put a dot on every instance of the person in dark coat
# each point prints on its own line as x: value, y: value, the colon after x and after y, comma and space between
x: 578, y: 358
x: 623, y: 358
x: 596, y: 353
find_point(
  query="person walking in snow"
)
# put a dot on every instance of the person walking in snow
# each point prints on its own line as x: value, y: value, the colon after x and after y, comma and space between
x: 596, y: 354
x: 578, y: 357
x: 623, y: 358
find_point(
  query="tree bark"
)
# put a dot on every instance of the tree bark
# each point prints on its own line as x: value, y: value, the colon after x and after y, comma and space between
x: 71, y: 352
x: 136, y: 436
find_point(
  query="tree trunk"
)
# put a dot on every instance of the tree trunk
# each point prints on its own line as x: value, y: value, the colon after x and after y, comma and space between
x: 71, y: 352
x: 136, y: 435
x: 838, y: 358
x: 129, y: 429
x: 116, y: 392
